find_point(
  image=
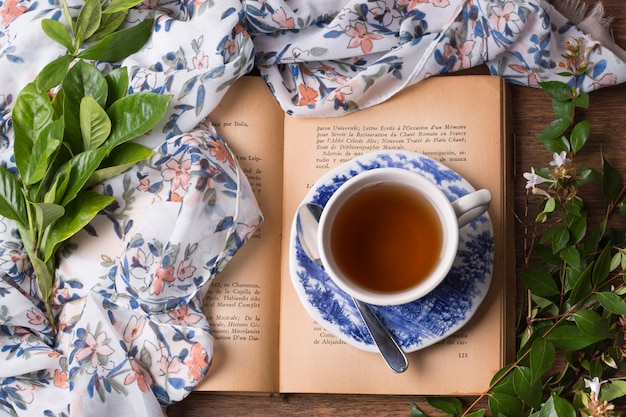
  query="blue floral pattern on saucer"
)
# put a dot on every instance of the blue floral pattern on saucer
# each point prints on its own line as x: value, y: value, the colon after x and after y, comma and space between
x: 417, y: 324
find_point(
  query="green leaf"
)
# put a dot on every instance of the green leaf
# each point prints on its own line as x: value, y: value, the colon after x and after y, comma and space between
x: 586, y: 175
x: 616, y: 389
x: 94, y: 123
x: 542, y: 357
x: 557, y: 145
x: 59, y: 185
x: 612, y: 184
x: 582, y: 285
x: 612, y: 302
x: 58, y: 33
x: 45, y: 276
x: 528, y: 389
x: 135, y: 115
x: 504, y: 378
x: 549, y: 205
x: 505, y: 405
x: 580, y: 134
x: 448, y: 405
x: 592, y: 323
x: 557, y: 90
x: 88, y: 20
x: 43, y: 152
x: 82, y: 166
x: 82, y: 80
x: 591, y: 244
x: 120, y: 44
x: 78, y: 214
x: 556, y: 406
x: 570, y: 338
x: 563, y: 109
x: 578, y: 229
x: 31, y: 115
x: 120, y: 160
x: 12, y: 201
x: 554, y: 130
x: 539, y: 282
x: 121, y: 5
x: 117, y: 80
x: 560, y: 238
x: 109, y: 23
x: 581, y: 100
x: 571, y: 256
x: 53, y: 73
x: 416, y: 412
x: 602, y: 267
x: 47, y: 213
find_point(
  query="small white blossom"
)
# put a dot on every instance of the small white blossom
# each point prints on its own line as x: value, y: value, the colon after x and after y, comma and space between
x: 559, y: 159
x: 594, y: 385
x: 533, y: 179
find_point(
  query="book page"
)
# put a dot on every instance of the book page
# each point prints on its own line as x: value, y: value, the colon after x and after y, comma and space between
x: 457, y: 121
x: 242, y: 302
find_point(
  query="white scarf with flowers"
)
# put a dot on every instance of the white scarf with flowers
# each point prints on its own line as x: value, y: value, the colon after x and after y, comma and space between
x: 133, y: 337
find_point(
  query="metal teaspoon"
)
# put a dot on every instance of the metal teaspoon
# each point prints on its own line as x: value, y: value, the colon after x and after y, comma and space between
x: 307, y: 222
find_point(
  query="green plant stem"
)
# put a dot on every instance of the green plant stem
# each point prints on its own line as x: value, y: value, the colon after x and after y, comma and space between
x: 44, y: 271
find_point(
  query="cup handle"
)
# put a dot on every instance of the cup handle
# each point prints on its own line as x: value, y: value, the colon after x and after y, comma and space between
x: 470, y: 206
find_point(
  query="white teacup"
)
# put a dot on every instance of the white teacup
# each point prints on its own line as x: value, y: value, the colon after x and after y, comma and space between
x: 389, y: 236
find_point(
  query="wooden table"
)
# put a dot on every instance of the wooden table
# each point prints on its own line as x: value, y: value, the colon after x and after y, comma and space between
x: 531, y: 113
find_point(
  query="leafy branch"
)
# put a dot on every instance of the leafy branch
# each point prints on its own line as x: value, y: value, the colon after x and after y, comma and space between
x: 73, y: 127
x: 574, y: 277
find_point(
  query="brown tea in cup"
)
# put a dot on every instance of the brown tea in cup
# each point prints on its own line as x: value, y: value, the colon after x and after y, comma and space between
x: 386, y: 237
x: 389, y: 236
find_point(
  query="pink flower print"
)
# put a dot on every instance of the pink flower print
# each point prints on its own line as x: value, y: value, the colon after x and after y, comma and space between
x: 531, y: 80
x: 15, y: 262
x: 134, y: 328
x: 183, y: 316
x: 360, y: 37
x: 61, y: 380
x: 185, y: 270
x: 161, y: 276
x: 96, y: 349
x: 139, y: 265
x: 178, y: 173
x: 308, y: 96
x: 35, y: 317
x: 462, y: 52
x: 167, y: 366
x: 441, y: 3
x: 142, y: 379
x: 11, y: 11
x: 144, y: 184
x: 144, y: 80
x: 505, y: 18
x: 280, y: 17
x: 197, y: 362
x: 410, y: 4
x: 383, y: 13
x: 606, y: 80
x: 200, y: 62
x: 230, y: 49
x: 221, y: 152
x: 193, y: 138
x: 246, y: 231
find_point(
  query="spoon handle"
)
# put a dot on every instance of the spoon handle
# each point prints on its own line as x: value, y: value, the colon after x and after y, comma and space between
x: 389, y: 349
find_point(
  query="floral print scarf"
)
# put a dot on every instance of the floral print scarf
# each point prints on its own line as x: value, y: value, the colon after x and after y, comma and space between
x: 133, y: 337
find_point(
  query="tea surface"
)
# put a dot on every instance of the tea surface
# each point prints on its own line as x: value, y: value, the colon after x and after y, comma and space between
x: 386, y: 238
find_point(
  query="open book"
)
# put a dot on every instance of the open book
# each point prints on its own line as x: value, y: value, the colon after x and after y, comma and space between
x: 265, y: 341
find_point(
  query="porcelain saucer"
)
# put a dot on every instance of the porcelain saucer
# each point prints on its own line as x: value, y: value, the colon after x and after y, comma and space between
x: 418, y: 324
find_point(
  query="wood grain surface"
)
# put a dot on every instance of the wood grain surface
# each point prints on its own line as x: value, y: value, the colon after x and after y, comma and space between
x: 531, y: 113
